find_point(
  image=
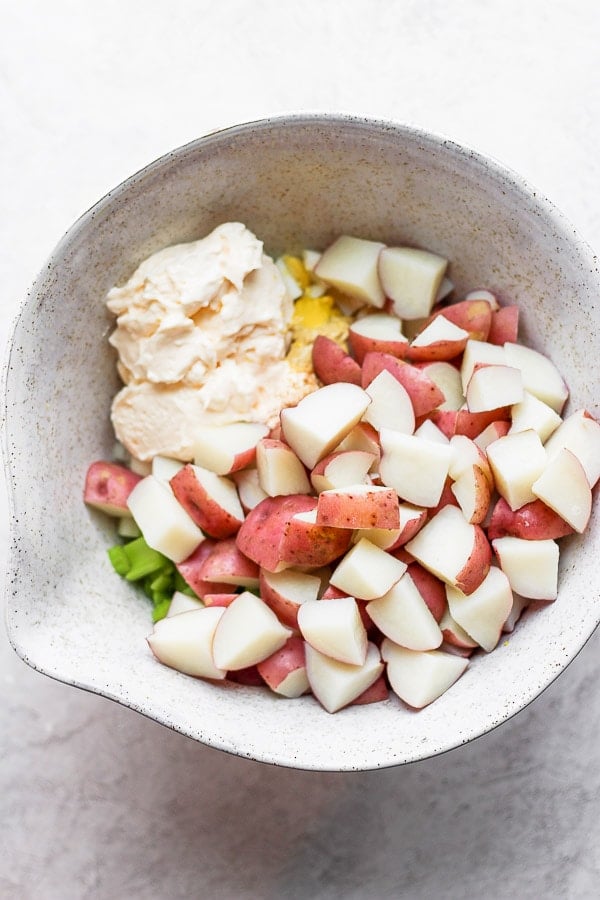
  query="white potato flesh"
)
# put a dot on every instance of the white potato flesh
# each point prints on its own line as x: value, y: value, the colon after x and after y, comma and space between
x: 322, y: 420
x: 381, y: 327
x: 219, y: 447
x: 334, y: 627
x: 540, y: 376
x: 280, y: 472
x: 350, y: 264
x: 530, y: 566
x: 181, y: 603
x: 162, y: 520
x: 563, y: 486
x: 403, y: 616
x: 491, y: 387
x: 466, y: 453
x: 415, y: 467
x: 420, y: 677
x: 390, y: 406
x: 439, y: 330
x: 445, y: 545
x: 579, y: 433
x: 473, y: 493
x: 163, y: 467
x: 249, y: 489
x: 453, y: 633
x: 381, y: 537
x: 517, y: 460
x: 293, y: 685
x: 479, y: 352
x: 336, y: 684
x: 532, y: 413
x: 483, y: 613
x: 220, y: 490
x: 343, y: 469
x: 411, y: 278
x: 247, y: 633
x: 447, y: 377
x: 367, y: 571
x: 184, y: 642
x: 429, y: 431
x: 290, y: 584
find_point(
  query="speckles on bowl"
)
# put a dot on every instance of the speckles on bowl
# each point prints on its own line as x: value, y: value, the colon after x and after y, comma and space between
x: 297, y: 182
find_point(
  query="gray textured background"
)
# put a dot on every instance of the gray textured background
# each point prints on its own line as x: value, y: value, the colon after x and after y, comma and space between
x: 96, y: 802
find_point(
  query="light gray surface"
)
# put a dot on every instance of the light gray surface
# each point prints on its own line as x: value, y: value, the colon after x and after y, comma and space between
x: 97, y: 802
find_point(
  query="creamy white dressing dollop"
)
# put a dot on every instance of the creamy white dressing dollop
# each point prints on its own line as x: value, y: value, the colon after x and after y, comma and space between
x: 202, y: 333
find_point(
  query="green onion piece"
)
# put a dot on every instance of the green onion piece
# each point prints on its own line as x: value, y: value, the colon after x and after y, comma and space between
x: 180, y: 582
x: 119, y: 559
x: 161, y: 609
x: 143, y: 559
x: 147, y: 586
x: 162, y: 582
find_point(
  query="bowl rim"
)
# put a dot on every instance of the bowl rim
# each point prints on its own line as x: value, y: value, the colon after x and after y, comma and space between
x: 280, y: 121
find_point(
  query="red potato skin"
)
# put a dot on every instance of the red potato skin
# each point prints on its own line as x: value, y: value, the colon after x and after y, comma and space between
x: 360, y: 345
x: 438, y: 351
x: 305, y: 544
x: 424, y: 394
x: 475, y: 316
x: 260, y: 536
x: 284, y: 608
x: 409, y: 531
x: 470, y: 576
x: 451, y: 638
x: 200, y: 506
x: 219, y: 599
x: 431, y: 589
x: 533, y: 522
x: 461, y: 421
x: 331, y: 362
x: 190, y: 570
x: 287, y: 659
x: 109, y: 485
x: 339, y: 509
x: 273, y: 538
x: 227, y: 561
x: 275, y: 433
x: 333, y: 593
x: 243, y: 460
x: 504, y: 325
x: 374, y: 694
x: 483, y: 491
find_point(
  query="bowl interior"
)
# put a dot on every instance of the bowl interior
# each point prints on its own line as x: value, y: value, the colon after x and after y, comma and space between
x: 296, y: 182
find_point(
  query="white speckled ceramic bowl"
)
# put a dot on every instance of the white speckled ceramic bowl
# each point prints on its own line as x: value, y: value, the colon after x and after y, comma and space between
x: 296, y: 182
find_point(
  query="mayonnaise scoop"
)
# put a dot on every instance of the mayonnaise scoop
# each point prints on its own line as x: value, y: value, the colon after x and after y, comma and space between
x: 202, y: 332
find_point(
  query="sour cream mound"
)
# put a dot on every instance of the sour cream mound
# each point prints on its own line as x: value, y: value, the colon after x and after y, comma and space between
x: 202, y: 334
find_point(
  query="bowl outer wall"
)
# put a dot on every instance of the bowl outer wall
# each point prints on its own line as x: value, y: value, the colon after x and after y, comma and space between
x: 296, y: 182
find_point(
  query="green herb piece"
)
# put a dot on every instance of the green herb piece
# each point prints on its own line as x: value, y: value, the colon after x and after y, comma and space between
x: 143, y: 559
x: 119, y: 559
x: 161, y: 609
